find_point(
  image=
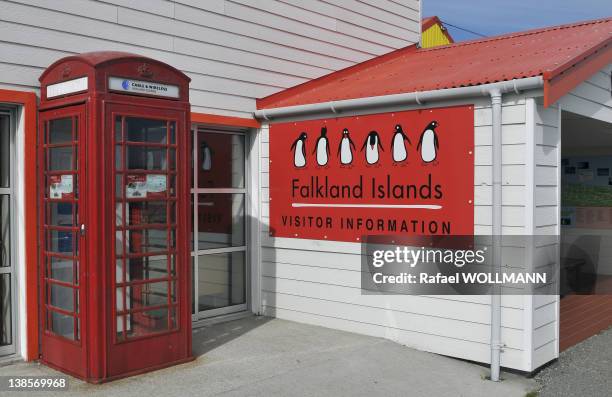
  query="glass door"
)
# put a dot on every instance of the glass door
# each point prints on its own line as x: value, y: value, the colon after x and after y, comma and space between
x: 7, y: 267
x: 219, y: 215
x: 145, y: 244
x: 62, y: 236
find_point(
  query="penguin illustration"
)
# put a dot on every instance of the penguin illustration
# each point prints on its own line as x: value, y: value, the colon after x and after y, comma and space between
x: 299, y: 150
x: 322, y: 148
x: 346, y: 147
x: 428, y: 143
x: 397, y: 144
x: 206, y: 155
x: 371, y: 145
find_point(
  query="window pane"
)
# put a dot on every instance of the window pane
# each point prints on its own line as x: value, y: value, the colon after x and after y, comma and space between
x: 60, y: 268
x: 149, y: 294
x: 5, y: 150
x: 220, y: 160
x: 60, y: 130
x: 149, y: 240
x: 62, y: 325
x: 221, y: 279
x: 60, y: 158
x: 6, y: 320
x: 63, y: 242
x: 118, y: 132
x: 145, y: 130
x: 221, y: 220
x: 61, y: 214
x: 5, y: 231
x: 146, y: 158
x: 61, y: 297
x: 147, y: 268
x: 147, y: 212
x: 147, y: 322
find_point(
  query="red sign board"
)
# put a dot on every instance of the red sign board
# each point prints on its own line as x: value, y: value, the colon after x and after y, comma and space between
x: 409, y: 173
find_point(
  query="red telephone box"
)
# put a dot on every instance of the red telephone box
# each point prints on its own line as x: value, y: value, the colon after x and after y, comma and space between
x: 114, y: 218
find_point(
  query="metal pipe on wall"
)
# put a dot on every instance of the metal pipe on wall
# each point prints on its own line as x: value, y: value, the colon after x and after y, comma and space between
x: 496, y: 122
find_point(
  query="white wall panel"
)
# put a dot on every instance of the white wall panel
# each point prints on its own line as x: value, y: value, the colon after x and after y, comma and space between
x: 318, y: 282
x: 234, y: 50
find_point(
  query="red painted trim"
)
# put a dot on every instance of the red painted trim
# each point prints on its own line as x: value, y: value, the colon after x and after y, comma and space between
x: 224, y: 120
x: 567, y: 76
x: 28, y: 101
x: 428, y: 22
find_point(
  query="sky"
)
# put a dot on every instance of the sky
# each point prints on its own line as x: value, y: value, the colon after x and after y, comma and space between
x: 495, y: 17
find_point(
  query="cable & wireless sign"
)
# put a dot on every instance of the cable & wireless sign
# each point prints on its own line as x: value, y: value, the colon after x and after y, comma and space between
x: 409, y: 172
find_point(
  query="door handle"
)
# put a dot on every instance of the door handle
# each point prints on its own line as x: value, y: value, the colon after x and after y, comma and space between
x: 82, y: 229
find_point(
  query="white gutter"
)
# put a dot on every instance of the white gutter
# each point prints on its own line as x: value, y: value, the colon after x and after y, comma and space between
x: 412, y: 98
x: 495, y: 91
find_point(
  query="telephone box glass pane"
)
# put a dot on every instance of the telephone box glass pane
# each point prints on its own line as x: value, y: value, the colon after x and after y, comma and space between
x: 148, y: 212
x: 220, y: 160
x: 61, y: 297
x: 221, y: 220
x: 63, y: 242
x: 146, y: 295
x: 60, y: 158
x: 62, y: 325
x: 149, y: 240
x: 146, y: 130
x: 60, y: 131
x: 61, y: 214
x: 144, y: 268
x: 61, y: 269
x: 146, y: 158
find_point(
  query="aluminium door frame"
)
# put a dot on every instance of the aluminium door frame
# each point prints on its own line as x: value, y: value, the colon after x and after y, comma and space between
x: 198, y: 315
x: 11, y: 349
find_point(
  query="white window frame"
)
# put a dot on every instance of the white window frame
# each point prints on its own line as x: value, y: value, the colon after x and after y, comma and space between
x: 10, y: 350
x: 198, y: 315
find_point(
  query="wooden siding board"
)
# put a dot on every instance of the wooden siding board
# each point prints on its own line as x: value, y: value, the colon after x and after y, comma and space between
x: 234, y: 53
x: 349, y: 17
x: 250, y: 14
x: 288, y: 39
x: 380, y: 14
x: 159, y: 7
x: 55, y: 20
x: 86, y: 8
x: 224, y: 46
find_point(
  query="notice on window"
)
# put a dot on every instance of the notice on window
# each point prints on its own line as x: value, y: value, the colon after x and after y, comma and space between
x: 146, y: 186
x: 61, y: 187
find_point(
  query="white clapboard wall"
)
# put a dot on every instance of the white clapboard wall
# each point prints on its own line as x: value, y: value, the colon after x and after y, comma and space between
x: 233, y: 50
x: 590, y: 99
x: 318, y: 282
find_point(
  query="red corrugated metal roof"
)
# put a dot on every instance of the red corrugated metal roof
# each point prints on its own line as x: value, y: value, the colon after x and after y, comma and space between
x: 564, y: 55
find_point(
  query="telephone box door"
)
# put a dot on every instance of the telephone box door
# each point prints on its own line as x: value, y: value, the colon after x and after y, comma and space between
x: 146, y: 315
x: 62, y: 257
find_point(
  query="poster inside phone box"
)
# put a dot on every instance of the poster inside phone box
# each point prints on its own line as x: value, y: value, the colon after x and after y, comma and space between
x: 409, y: 173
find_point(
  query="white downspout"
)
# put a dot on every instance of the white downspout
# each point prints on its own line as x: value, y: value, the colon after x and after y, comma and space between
x: 496, y: 345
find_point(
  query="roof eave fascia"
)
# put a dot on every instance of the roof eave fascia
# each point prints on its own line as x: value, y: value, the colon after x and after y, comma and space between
x: 411, y: 98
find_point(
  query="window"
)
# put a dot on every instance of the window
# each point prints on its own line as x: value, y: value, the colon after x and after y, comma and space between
x: 219, y: 239
x: 7, y: 273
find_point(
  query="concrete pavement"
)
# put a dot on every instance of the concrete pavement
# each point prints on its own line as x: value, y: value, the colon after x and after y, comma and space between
x: 259, y: 356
